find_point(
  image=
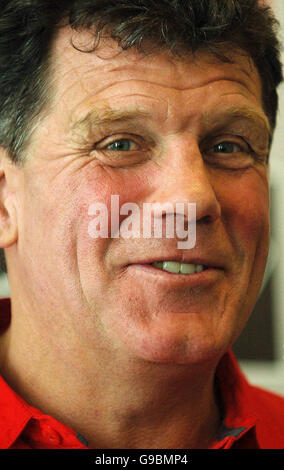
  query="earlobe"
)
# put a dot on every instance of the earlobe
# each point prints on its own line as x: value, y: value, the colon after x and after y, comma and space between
x: 8, y: 213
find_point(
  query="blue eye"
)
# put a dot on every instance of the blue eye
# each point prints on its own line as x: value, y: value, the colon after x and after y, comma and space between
x: 121, y: 145
x: 227, y: 147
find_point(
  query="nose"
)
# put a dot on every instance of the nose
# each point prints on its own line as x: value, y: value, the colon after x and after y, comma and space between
x: 184, y: 178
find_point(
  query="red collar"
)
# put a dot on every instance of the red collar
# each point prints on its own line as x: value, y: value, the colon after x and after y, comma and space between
x: 235, y: 401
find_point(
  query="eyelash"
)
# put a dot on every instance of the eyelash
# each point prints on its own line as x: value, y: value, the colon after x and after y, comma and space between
x: 243, y: 146
x: 135, y: 139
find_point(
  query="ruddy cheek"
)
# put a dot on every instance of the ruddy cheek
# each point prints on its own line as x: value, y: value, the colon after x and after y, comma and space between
x: 112, y: 188
x: 246, y: 215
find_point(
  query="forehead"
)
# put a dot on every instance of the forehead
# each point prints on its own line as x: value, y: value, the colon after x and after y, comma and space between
x: 82, y: 78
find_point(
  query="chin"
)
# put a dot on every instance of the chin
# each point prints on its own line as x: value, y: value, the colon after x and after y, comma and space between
x: 183, y: 351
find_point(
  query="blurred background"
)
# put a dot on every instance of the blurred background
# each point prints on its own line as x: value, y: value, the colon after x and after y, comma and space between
x: 260, y: 348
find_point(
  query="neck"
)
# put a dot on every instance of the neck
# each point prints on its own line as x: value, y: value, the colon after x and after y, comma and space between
x: 114, y: 401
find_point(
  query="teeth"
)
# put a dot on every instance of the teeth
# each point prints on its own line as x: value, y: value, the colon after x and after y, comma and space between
x: 179, y: 268
x: 171, y: 267
x: 187, y: 268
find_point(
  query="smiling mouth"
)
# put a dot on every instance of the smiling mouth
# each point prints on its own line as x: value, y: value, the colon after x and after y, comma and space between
x: 175, y: 267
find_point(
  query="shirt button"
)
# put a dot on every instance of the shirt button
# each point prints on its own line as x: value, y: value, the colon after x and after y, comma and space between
x: 50, y: 435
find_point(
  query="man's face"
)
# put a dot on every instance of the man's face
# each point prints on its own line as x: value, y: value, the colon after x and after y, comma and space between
x: 147, y: 129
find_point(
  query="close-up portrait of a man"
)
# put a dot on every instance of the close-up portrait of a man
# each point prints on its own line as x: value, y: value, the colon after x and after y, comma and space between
x: 135, y: 140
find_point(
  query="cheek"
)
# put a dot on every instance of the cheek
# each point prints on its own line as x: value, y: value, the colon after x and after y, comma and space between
x: 245, y: 222
x: 245, y: 205
x: 245, y: 209
x: 111, y: 189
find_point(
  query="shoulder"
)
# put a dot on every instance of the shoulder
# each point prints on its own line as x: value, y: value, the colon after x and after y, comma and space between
x: 267, y: 404
x: 269, y: 410
x: 250, y: 407
x: 270, y: 399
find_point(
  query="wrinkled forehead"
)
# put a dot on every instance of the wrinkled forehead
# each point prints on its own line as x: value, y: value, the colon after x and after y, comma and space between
x: 78, y: 57
x: 172, y: 92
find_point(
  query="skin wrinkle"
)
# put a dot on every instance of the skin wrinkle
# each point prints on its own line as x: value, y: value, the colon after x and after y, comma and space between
x: 138, y: 58
x: 120, y: 336
x: 208, y: 60
x: 95, y: 120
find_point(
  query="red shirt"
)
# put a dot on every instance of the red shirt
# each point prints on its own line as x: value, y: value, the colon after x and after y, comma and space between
x: 252, y: 418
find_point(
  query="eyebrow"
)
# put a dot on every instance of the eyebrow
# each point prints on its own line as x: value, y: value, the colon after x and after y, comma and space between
x: 235, y: 113
x: 96, y: 117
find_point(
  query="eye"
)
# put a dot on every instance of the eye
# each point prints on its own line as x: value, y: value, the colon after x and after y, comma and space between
x: 122, y: 150
x: 232, y: 153
x: 122, y: 145
x: 227, y: 147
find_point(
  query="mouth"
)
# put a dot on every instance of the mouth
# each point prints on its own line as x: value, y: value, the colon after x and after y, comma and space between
x: 174, y: 274
x: 181, y: 264
x: 180, y: 270
x: 197, y: 270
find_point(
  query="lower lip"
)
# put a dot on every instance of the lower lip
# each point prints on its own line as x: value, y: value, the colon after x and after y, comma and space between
x: 204, y: 278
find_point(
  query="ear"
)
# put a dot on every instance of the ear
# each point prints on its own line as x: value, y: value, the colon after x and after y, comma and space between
x: 8, y: 212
